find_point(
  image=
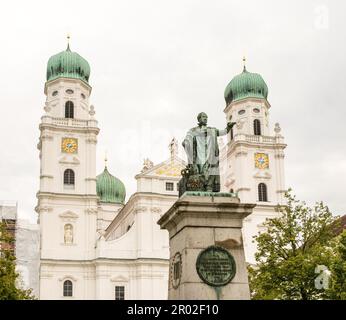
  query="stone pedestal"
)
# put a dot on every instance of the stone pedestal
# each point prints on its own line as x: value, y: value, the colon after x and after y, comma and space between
x: 198, y: 221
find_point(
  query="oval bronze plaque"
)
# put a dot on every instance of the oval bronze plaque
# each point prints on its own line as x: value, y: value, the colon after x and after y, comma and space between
x: 216, y: 266
x: 176, y: 269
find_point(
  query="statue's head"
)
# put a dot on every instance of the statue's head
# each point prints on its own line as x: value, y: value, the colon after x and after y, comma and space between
x: 202, y: 118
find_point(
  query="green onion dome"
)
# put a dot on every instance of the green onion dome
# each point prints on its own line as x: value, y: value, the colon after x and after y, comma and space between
x: 246, y: 85
x: 109, y: 188
x: 68, y: 64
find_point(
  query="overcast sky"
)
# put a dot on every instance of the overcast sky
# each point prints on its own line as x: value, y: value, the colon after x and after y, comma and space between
x: 156, y: 64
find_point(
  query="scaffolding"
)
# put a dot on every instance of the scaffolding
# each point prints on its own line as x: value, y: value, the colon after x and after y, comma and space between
x: 8, y: 216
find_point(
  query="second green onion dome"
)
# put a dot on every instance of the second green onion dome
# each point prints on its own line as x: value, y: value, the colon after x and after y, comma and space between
x: 68, y: 64
x: 246, y: 85
x: 109, y: 188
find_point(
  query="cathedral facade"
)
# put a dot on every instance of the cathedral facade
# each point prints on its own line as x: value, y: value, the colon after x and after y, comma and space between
x: 96, y: 246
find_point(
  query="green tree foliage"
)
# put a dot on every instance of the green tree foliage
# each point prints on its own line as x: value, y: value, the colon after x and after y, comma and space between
x: 8, y: 274
x: 294, y: 244
x: 338, y: 271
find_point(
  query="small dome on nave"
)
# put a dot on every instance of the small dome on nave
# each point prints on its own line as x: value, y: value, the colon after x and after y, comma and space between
x: 109, y: 188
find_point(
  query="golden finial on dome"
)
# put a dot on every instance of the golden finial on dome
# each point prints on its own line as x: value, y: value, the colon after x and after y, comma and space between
x: 68, y: 41
x: 106, y: 159
x: 244, y: 62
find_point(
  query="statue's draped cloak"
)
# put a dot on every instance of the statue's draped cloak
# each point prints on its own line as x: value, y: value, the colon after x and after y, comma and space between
x: 202, y: 149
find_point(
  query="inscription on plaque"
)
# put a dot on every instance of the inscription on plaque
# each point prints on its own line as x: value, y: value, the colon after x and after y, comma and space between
x: 216, y: 266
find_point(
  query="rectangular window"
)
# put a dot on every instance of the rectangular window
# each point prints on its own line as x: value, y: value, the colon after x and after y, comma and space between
x: 119, y: 293
x: 169, y: 186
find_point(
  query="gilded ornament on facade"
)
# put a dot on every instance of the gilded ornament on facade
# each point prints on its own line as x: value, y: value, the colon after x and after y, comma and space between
x: 261, y: 161
x: 169, y: 170
x: 69, y: 145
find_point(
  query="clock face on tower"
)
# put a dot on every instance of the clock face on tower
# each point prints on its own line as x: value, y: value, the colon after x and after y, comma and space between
x: 69, y: 145
x: 261, y: 161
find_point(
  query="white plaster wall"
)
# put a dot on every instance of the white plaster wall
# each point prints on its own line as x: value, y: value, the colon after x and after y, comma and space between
x: 55, y: 162
x: 106, y: 213
x: 52, y: 233
x: 142, y: 279
x: 54, y: 273
x: 57, y: 103
x: 157, y: 185
x: 249, y: 116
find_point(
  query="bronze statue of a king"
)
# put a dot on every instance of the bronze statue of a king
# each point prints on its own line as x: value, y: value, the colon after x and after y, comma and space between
x: 202, y: 150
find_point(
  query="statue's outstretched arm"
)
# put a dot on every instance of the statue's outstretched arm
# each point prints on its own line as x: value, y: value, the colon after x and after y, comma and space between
x: 222, y: 132
x: 230, y: 125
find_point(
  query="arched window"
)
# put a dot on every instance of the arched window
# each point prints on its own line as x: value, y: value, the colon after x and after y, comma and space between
x: 69, y: 177
x: 257, y: 127
x: 231, y: 134
x: 68, y: 234
x: 69, y: 109
x: 68, y: 288
x: 262, y: 193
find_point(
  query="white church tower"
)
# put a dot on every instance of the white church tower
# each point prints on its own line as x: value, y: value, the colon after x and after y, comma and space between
x: 67, y: 199
x: 252, y: 162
